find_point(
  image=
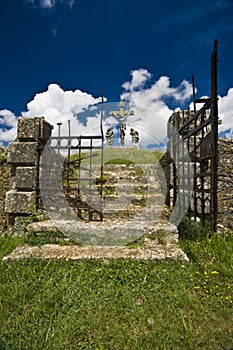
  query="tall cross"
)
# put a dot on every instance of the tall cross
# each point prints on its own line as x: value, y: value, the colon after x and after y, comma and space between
x: 122, y: 114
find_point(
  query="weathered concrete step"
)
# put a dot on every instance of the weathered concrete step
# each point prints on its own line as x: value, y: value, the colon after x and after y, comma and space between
x: 141, y: 200
x: 127, y: 170
x: 114, y: 233
x: 111, y: 183
x: 148, y: 213
x: 53, y: 251
x: 125, y: 166
x: 133, y: 185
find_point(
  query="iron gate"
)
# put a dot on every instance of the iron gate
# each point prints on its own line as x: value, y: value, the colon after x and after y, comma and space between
x: 70, y: 178
x: 193, y: 175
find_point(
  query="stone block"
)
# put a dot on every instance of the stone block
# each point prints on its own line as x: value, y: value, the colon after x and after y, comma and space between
x: 33, y: 128
x: 19, y: 225
x: 19, y: 202
x: 23, y: 153
x: 26, y: 178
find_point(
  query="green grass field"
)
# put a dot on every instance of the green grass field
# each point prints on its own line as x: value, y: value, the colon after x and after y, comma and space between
x: 97, y: 305
x: 132, y: 155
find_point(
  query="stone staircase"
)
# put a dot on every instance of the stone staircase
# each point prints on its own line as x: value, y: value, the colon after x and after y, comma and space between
x: 131, y: 191
x: 135, y: 219
x: 132, y: 205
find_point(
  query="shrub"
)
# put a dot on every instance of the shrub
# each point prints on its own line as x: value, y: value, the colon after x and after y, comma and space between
x: 119, y: 161
x: 3, y: 159
x: 193, y: 230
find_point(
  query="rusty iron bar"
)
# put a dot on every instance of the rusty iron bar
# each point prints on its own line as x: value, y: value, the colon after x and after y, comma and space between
x: 102, y: 152
x: 214, y: 127
x: 200, y: 132
x: 194, y: 95
x: 64, y: 145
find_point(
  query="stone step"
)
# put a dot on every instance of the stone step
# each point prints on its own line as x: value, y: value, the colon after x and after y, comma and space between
x: 150, y: 206
x: 124, y: 183
x: 150, y: 213
x: 141, y: 170
x: 115, y: 233
x: 152, y: 182
x: 135, y: 199
x: 127, y: 191
x: 150, y: 251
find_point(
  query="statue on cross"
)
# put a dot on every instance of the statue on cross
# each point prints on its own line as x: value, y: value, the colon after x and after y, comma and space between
x: 122, y: 114
x: 110, y: 137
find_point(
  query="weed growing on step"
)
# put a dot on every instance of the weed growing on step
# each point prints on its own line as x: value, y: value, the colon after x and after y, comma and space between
x: 3, y: 159
x: 193, y: 230
x: 46, y: 237
x: 119, y: 161
x: 33, y: 217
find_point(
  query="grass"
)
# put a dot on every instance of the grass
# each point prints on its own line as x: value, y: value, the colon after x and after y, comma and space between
x: 3, y: 159
x: 119, y: 161
x: 121, y: 304
x: 46, y: 237
x: 117, y: 155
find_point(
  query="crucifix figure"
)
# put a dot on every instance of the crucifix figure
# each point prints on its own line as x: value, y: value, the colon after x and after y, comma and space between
x: 122, y: 115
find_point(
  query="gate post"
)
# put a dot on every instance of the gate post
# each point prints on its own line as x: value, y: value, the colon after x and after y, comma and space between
x: 214, y: 127
x: 24, y: 157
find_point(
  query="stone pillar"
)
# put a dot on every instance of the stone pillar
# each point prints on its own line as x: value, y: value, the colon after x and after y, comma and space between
x: 225, y: 183
x: 5, y: 171
x: 24, y: 157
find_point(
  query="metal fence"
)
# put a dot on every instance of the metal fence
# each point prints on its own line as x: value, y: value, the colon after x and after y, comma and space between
x: 71, y: 174
x: 192, y: 173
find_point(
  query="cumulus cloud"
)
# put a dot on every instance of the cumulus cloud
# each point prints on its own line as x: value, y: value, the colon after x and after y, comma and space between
x: 226, y: 113
x: 49, y: 4
x: 149, y: 100
x: 59, y: 106
x: 8, y: 126
x: 149, y: 104
x: 139, y: 78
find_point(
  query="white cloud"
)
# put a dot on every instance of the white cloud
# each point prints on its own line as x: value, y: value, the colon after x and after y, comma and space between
x: 226, y: 113
x: 57, y: 105
x: 71, y: 3
x: 8, y: 126
x: 149, y: 104
x: 49, y: 4
x: 139, y: 77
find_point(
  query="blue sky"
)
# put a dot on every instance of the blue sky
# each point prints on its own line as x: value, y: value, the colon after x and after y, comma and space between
x: 56, y: 55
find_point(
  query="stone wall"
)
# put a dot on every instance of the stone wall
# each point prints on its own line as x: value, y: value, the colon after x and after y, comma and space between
x: 23, y: 156
x: 225, y: 183
x: 19, y: 174
x: 5, y: 171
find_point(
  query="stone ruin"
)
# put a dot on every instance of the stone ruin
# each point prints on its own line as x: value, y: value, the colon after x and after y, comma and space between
x: 225, y: 182
x: 19, y: 172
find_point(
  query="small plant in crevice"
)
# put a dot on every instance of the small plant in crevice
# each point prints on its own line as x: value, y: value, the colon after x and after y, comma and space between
x: 138, y: 243
x: 193, y: 230
x: 35, y: 216
x: 119, y: 161
x: 46, y: 237
x: 3, y: 159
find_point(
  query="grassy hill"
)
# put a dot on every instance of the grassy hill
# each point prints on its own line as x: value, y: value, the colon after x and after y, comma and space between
x: 130, y: 155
